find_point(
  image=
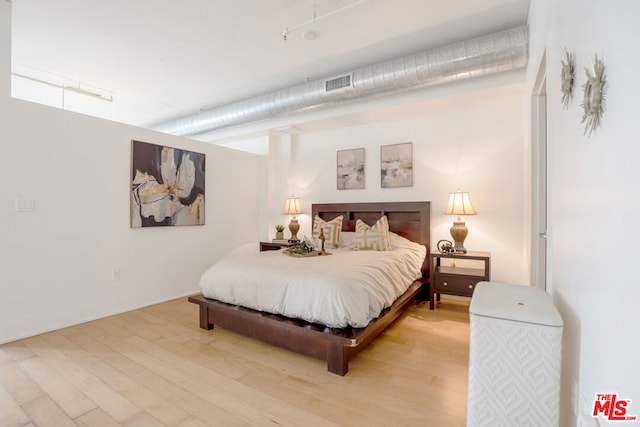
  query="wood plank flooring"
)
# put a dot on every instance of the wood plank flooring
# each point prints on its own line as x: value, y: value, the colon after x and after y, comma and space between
x: 156, y: 367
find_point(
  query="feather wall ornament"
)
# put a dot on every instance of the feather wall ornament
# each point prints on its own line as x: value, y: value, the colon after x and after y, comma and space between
x: 567, y: 77
x: 594, y: 94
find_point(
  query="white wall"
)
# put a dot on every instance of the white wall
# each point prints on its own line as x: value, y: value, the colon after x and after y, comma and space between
x: 593, y: 201
x: 469, y: 141
x: 56, y: 262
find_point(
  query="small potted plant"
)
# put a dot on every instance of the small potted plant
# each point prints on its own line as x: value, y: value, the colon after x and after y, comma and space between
x: 279, y: 232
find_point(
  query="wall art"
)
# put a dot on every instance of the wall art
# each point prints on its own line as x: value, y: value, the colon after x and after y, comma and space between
x: 350, y: 169
x: 167, y: 186
x: 396, y: 165
x: 567, y: 77
x: 593, y: 103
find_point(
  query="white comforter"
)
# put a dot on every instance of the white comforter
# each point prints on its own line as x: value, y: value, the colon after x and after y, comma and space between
x: 346, y: 288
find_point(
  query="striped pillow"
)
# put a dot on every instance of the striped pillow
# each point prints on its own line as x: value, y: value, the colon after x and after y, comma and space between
x: 331, y: 231
x: 375, y: 237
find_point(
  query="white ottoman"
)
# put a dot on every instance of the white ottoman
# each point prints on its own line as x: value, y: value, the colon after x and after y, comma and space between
x: 514, y: 357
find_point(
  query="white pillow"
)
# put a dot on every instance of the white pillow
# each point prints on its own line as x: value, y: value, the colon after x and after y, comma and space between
x: 347, y: 239
x: 399, y: 242
x: 375, y: 237
x: 330, y: 229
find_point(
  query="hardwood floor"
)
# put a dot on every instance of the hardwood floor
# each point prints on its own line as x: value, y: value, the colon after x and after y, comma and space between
x: 156, y: 367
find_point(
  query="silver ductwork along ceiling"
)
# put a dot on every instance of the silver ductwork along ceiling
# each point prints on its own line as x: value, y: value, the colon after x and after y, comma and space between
x: 499, y: 52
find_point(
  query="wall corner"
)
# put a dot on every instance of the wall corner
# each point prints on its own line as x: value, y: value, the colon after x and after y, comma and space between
x: 5, y: 49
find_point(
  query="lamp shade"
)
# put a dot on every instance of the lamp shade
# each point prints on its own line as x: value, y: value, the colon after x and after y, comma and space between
x: 292, y: 206
x: 459, y: 204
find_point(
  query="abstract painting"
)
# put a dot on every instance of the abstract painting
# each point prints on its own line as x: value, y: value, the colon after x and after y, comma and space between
x: 396, y: 165
x: 167, y: 186
x: 350, y: 169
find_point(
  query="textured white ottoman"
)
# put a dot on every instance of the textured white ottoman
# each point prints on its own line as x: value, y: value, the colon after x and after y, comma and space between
x: 514, y: 357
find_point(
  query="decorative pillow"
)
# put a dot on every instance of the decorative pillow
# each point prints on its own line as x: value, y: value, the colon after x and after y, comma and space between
x: 330, y: 229
x: 375, y: 237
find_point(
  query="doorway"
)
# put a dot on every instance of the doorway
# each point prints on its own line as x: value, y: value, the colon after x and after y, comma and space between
x: 539, y: 178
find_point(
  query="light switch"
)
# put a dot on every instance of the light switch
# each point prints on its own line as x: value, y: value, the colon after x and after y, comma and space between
x: 25, y: 204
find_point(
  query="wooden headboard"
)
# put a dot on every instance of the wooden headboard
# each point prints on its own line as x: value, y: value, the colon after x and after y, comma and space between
x: 411, y: 220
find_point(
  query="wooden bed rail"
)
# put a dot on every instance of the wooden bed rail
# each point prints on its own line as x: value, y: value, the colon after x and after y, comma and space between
x: 336, y: 346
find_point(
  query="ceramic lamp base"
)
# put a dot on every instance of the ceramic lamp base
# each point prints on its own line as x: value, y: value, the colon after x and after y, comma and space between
x: 294, y: 227
x: 459, y: 232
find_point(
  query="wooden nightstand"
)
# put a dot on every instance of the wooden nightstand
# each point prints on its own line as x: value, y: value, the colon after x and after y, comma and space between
x: 274, y: 246
x: 461, y: 279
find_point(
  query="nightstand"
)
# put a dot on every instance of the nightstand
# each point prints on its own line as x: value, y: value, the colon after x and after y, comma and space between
x: 274, y: 246
x: 460, y: 276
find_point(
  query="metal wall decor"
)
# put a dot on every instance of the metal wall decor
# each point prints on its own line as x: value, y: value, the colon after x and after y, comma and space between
x: 593, y: 103
x: 567, y: 76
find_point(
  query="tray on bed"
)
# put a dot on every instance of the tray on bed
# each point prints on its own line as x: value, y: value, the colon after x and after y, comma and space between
x: 309, y: 255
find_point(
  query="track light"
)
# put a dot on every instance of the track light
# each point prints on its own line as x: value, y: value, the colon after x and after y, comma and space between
x: 316, y: 17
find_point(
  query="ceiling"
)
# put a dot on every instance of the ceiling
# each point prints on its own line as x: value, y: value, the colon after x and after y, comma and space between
x: 164, y: 59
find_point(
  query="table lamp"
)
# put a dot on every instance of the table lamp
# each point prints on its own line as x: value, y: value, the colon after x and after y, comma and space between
x: 459, y: 204
x: 292, y: 207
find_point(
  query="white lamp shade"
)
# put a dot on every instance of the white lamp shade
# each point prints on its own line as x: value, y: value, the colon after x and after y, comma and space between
x: 459, y: 204
x: 292, y: 206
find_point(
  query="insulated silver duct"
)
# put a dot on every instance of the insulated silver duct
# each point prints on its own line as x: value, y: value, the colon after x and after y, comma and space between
x: 498, y: 52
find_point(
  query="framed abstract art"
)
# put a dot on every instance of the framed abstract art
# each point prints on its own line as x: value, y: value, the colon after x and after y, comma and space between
x: 396, y: 165
x: 350, y: 169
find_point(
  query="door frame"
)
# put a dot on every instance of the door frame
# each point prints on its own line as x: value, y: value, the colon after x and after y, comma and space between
x: 539, y: 179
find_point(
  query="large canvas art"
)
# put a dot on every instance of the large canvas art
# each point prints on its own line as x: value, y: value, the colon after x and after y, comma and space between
x: 167, y: 186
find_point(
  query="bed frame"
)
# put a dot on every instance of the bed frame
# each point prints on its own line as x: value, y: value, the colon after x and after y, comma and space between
x: 336, y: 346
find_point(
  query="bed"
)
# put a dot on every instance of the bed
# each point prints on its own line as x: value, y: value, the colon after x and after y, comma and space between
x: 336, y: 346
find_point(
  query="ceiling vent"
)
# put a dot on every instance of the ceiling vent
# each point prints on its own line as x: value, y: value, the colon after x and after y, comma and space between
x: 482, y: 56
x: 337, y: 83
